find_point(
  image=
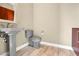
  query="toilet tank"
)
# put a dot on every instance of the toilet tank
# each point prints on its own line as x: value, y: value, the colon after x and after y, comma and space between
x: 28, y: 33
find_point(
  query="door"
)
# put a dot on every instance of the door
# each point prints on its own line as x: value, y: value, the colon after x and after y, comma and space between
x: 75, y: 40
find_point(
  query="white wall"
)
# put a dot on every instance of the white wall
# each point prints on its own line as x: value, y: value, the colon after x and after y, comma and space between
x: 56, y: 21
x: 69, y: 18
x: 24, y: 19
x: 46, y: 20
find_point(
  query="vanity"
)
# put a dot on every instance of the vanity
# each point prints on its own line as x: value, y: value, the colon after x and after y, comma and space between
x: 11, y: 38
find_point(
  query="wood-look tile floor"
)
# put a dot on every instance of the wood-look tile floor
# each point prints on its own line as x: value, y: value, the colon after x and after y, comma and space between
x: 45, y: 51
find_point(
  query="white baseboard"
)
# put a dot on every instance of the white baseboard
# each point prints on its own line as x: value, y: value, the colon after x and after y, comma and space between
x: 45, y: 43
x: 22, y: 46
x: 57, y: 45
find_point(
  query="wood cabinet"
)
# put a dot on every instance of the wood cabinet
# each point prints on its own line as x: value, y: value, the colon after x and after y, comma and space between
x: 6, y: 14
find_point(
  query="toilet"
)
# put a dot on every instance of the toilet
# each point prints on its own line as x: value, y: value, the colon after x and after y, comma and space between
x: 34, y: 41
x: 28, y: 35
